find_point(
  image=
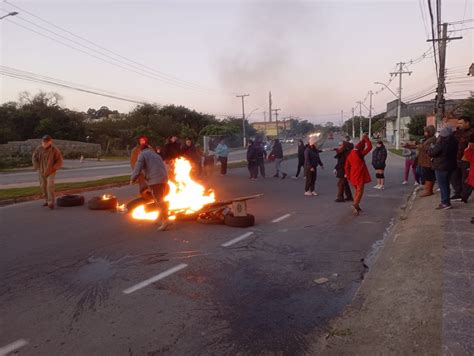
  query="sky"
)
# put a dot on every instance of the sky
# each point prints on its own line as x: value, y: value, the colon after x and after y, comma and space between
x: 316, y: 57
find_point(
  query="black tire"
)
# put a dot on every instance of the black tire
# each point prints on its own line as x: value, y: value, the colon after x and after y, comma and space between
x: 209, y: 219
x: 97, y: 203
x: 132, y: 204
x: 239, y: 221
x: 70, y: 200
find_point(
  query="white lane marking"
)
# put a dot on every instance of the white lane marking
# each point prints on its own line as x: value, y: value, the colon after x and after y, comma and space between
x: 5, y: 350
x: 237, y: 239
x: 281, y: 218
x: 154, y: 279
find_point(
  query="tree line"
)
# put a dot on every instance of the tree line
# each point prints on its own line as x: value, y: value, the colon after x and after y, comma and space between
x: 33, y: 116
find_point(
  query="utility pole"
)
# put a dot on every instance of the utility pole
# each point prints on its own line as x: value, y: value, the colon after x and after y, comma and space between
x: 370, y: 114
x: 442, y: 41
x: 360, y: 119
x: 243, y: 117
x: 353, y: 125
x: 270, y: 106
x: 276, y: 121
x: 399, y: 109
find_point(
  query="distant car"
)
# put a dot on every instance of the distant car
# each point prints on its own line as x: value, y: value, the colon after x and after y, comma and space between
x: 267, y: 146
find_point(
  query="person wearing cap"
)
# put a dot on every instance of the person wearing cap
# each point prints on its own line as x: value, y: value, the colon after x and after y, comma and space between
x: 150, y: 164
x: 444, y: 159
x: 311, y: 163
x: 47, y: 159
x: 356, y: 170
x: 142, y: 186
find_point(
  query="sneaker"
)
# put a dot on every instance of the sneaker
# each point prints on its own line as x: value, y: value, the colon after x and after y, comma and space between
x: 315, y: 194
x: 416, y: 183
x: 381, y: 187
x: 464, y: 200
x: 294, y: 177
x: 377, y: 187
x: 308, y: 193
x: 443, y: 206
x: 404, y: 182
x: 456, y: 198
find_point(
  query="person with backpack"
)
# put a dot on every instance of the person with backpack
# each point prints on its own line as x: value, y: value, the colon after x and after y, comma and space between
x: 379, y: 157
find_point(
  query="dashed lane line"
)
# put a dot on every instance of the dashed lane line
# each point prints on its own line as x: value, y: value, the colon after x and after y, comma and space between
x: 154, y: 279
x: 237, y: 239
x: 5, y: 350
x: 281, y: 218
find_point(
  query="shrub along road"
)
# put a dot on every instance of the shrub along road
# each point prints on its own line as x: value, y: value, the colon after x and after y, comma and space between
x: 75, y: 281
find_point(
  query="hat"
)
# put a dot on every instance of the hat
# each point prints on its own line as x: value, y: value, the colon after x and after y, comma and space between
x: 445, y: 131
x: 46, y: 138
x: 312, y: 140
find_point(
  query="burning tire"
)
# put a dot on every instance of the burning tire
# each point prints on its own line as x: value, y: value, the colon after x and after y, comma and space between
x: 239, y: 221
x: 132, y: 204
x: 210, y: 219
x: 98, y: 203
x: 70, y: 200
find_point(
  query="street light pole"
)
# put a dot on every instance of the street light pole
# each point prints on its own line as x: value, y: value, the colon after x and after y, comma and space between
x: 243, y: 117
x: 14, y: 13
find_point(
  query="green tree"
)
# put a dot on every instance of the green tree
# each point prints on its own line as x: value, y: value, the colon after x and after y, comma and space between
x: 468, y: 108
x: 417, y: 125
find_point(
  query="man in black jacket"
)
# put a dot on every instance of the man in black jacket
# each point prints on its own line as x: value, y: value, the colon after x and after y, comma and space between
x: 171, y: 149
x: 277, y: 154
x: 444, y: 154
x: 252, y: 160
x: 342, y: 184
x: 311, y: 163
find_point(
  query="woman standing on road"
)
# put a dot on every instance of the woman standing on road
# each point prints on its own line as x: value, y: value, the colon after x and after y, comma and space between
x: 379, y: 156
x: 301, y: 149
x: 357, y: 172
x: 311, y: 163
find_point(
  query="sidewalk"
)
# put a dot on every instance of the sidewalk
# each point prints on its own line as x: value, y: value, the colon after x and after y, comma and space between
x: 418, y: 297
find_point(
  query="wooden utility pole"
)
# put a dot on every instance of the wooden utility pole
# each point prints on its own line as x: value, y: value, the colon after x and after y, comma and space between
x: 370, y: 114
x: 442, y: 42
x: 360, y: 119
x: 270, y: 106
x: 243, y: 117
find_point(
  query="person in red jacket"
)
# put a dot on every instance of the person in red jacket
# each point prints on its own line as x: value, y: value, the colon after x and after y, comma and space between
x: 356, y: 170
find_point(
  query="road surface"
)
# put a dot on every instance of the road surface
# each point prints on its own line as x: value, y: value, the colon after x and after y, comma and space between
x: 92, y: 170
x: 81, y: 282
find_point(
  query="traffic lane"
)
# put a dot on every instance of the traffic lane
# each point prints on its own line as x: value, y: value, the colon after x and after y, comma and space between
x: 171, y: 325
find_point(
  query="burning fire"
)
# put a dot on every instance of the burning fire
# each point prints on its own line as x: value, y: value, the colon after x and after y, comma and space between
x: 140, y: 213
x: 185, y: 196
x: 106, y: 197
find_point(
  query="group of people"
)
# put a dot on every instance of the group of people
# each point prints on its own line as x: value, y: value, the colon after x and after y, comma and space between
x: 256, y: 156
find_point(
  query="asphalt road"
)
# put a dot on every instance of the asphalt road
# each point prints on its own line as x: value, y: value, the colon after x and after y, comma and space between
x: 70, y: 278
x: 90, y: 170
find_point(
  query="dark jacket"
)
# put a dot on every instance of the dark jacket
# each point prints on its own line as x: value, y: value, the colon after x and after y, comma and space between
x: 260, y: 151
x: 311, y: 158
x: 462, y: 137
x: 152, y: 166
x: 171, y: 150
x: 444, y: 154
x: 341, y: 156
x: 379, y: 156
x: 190, y: 153
x: 301, y: 149
x: 252, y: 153
x: 277, y: 150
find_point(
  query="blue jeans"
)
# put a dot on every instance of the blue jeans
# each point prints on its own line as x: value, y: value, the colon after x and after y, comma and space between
x: 443, y: 178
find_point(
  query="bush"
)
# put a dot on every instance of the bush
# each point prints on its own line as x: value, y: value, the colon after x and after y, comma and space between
x: 20, y: 161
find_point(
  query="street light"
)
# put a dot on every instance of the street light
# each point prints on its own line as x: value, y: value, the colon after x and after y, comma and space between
x: 14, y: 13
x: 399, y: 97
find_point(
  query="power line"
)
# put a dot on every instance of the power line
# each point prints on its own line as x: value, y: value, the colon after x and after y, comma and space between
x: 433, y: 34
x: 161, y: 74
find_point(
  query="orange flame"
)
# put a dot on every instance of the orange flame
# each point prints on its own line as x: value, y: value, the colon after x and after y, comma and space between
x: 185, y: 195
x: 106, y: 197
